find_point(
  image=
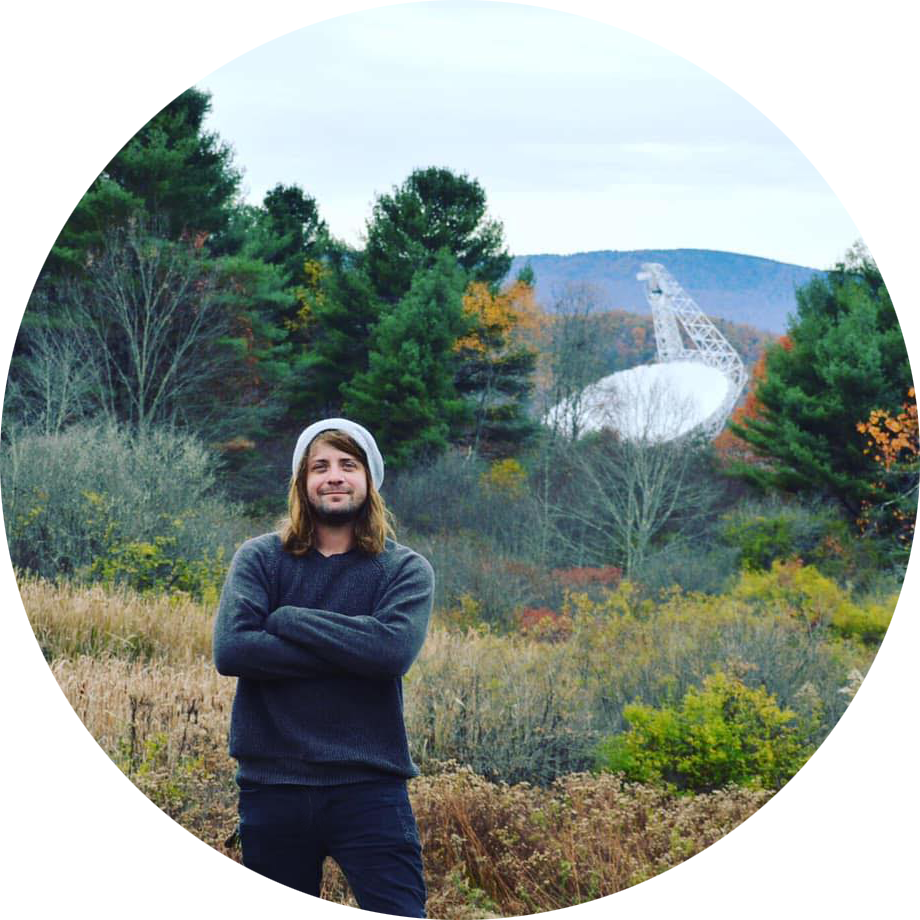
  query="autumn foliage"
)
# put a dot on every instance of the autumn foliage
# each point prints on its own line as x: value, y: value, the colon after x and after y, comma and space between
x: 894, y: 444
x: 501, y: 317
x: 728, y: 445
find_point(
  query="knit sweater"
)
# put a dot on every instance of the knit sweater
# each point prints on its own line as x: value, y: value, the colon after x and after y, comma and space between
x: 320, y: 645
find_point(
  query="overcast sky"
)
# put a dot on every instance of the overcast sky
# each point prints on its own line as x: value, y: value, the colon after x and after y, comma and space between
x: 584, y: 137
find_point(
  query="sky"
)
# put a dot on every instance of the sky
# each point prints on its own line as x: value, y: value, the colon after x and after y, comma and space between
x: 584, y: 136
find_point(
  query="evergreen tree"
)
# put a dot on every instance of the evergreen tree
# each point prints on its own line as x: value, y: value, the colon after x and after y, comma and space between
x: 433, y: 209
x: 847, y: 357
x: 495, y: 367
x: 292, y: 231
x: 332, y: 331
x: 407, y: 396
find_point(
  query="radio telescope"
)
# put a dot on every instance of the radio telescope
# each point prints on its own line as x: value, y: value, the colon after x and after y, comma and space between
x: 692, y: 387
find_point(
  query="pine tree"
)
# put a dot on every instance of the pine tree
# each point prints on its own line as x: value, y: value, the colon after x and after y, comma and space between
x: 433, y: 209
x: 332, y: 331
x: 496, y: 366
x: 407, y: 397
x: 847, y: 357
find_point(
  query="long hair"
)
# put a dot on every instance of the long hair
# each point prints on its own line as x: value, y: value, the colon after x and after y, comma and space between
x: 373, y: 524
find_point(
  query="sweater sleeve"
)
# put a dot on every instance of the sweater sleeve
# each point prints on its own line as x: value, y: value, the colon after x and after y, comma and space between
x: 242, y: 646
x: 382, y: 644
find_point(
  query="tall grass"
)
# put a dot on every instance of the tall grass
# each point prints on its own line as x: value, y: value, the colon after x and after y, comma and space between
x: 503, y: 726
x: 70, y: 620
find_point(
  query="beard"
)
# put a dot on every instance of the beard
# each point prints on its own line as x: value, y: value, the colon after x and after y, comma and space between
x: 336, y: 517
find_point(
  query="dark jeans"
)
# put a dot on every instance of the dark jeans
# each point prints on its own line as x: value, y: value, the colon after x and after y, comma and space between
x: 367, y: 828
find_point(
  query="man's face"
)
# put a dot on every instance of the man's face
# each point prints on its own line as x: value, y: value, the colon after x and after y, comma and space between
x: 336, y: 484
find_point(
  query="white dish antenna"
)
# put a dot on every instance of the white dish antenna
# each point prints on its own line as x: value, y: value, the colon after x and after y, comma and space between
x: 693, y: 386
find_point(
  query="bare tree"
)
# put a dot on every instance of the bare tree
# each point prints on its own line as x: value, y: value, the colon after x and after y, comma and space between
x: 573, y: 357
x: 149, y: 321
x: 618, y: 490
x: 49, y: 390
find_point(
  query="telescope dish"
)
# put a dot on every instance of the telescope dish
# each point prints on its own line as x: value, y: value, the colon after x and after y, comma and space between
x: 693, y: 386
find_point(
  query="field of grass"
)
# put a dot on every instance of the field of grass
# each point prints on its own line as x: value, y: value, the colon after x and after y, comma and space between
x: 504, y: 727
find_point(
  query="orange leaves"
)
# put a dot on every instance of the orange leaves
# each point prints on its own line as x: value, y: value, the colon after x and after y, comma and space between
x: 893, y: 439
x: 545, y: 624
x: 728, y: 444
x: 894, y: 443
x: 502, y: 317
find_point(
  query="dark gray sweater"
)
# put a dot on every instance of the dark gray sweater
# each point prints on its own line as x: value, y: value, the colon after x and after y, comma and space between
x: 320, y: 645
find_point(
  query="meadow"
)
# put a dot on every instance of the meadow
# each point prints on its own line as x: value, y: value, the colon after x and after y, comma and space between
x: 529, y: 798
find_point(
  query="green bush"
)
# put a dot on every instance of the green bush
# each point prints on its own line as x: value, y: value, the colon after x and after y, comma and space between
x: 867, y: 622
x: 817, y: 534
x: 157, y: 565
x: 103, y: 503
x: 98, y: 775
x: 724, y: 733
x: 761, y: 540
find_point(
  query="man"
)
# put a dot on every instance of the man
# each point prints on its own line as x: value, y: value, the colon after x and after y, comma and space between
x: 320, y: 622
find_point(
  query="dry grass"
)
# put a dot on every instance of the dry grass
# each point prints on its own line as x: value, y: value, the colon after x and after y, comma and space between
x: 510, y: 707
x: 585, y: 847
x: 157, y: 797
x: 493, y: 850
x: 71, y: 620
x: 126, y: 704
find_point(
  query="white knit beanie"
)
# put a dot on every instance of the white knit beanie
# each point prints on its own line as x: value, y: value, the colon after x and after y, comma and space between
x: 361, y: 435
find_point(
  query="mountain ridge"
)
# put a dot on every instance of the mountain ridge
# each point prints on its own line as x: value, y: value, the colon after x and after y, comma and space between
x: 753, y: 290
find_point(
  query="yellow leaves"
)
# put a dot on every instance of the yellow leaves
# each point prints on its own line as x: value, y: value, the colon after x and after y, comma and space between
x: 503, y: 316
x: 309, y: 296
x: 506, y: 477
x: 313, y: 269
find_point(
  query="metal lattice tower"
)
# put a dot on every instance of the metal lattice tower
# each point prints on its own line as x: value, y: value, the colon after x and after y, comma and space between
x: 674, y: 310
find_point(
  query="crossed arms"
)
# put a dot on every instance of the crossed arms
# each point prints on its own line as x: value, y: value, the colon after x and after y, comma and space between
x: 252, y: 641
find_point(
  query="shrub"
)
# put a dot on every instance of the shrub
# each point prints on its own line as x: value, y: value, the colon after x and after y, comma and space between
x: 157, y: 565
x: 510, y: 708
x: 468, y: 565
x: 543, y: 623
x: 818, y: 535
x: 144, y: 509
x: 761, y: 539
x: 803, y: 592
x: 698, y: 565
x: 456, y: 493
x: 464, y: 616
x: 723, y: 733
x: 867, y: 622
x: 506, y: 478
